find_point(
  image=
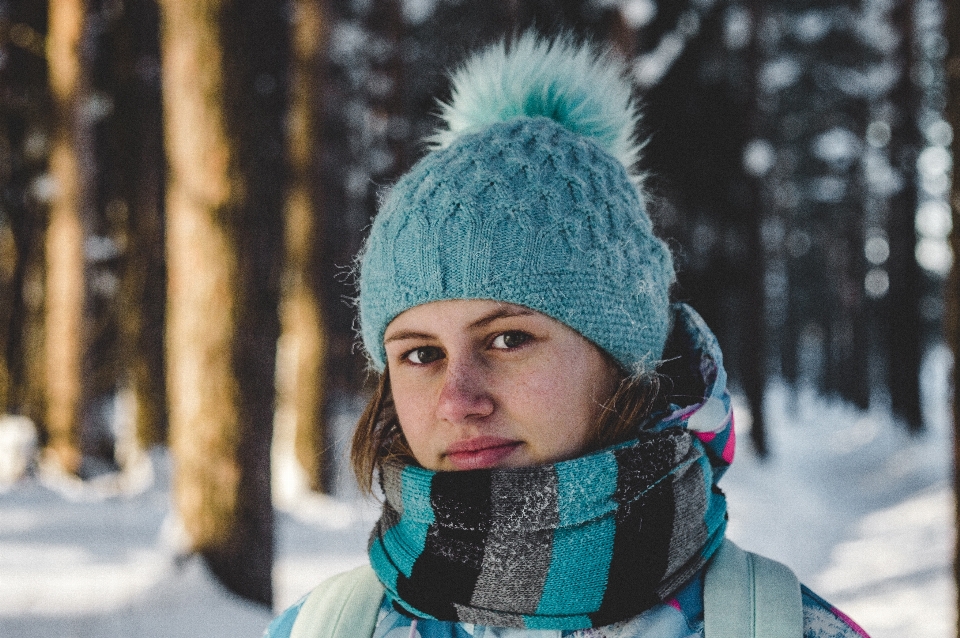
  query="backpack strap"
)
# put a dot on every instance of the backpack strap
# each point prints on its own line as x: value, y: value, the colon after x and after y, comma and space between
x: 345, y: 606
x: 749, y: 596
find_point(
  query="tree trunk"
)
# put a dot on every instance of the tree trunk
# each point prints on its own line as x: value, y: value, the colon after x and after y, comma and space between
x: 904, y: 323
x: 134, y: 206
x: 952, y: 316
x: 9, y: 260
x: 27, y: 122
x: 223, y: 79
x: 753, y: 369
x: 70, y: 159
x: 300, y: 426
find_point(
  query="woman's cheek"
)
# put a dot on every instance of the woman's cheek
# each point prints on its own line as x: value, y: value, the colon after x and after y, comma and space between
x: 411, y: 414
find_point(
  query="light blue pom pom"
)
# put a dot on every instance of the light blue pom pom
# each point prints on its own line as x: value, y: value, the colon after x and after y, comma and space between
x: 581, y: 89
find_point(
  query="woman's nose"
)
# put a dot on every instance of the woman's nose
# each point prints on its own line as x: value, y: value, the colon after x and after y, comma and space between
x: 465, y: 395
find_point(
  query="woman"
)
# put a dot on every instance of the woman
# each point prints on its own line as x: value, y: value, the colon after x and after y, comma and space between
x: 548, y: 430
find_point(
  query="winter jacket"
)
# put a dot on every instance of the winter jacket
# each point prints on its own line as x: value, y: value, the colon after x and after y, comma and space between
x: 681, y: 617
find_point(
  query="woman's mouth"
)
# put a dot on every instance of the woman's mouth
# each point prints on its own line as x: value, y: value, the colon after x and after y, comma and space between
x: 480, y: 453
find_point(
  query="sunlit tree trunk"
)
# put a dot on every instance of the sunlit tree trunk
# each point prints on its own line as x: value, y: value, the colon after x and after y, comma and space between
x: 300, y: 427
x: 223, y: 93
x: 952, y: 315
x: 70, y: 156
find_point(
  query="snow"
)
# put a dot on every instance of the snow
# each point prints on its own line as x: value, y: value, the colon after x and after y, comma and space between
x: 933, y: 219
x: 839, y: 147
x: 417, y: 11
x: 638, y: 13
x: 650, y: 67
x: 862, y: 512
x: 780, y: 73
x: 759, y: 157
x: 18, y: 444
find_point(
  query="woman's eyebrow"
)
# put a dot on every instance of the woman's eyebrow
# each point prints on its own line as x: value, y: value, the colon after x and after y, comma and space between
x: 407, y: 334
x: 500, y: 313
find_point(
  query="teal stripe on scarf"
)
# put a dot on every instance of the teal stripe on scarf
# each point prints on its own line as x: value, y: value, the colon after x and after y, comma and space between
x: 417, y: 520
x: 577, y: 579
x: 386, y: 571
x: 577, y: 487
x: 409, y: 536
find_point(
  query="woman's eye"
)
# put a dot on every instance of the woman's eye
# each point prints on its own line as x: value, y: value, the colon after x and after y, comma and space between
x: 421, y: 356
x: 509, y: 340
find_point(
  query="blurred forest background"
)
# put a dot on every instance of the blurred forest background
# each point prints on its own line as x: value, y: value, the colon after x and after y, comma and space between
x: 185, y: 184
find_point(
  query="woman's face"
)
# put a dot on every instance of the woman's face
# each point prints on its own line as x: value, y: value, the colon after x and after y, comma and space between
x: 482, y: 384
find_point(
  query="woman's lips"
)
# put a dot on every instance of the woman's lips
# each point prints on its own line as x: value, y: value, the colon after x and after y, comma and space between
x: 480, y: 453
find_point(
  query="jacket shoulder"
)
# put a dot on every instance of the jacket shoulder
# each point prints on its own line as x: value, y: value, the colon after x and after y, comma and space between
x: 282, y: 625
x: 350, y: 599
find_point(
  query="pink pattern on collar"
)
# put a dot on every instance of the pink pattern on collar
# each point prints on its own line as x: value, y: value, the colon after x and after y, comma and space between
x: 847, y: 619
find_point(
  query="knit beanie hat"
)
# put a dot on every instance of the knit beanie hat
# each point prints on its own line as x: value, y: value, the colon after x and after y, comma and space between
x: 526, y: 197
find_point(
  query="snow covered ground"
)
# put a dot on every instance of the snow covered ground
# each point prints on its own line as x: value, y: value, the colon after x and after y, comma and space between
x: 862, y: 512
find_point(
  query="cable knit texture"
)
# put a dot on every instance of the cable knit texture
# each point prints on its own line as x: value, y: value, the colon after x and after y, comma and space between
x: 528, y: 211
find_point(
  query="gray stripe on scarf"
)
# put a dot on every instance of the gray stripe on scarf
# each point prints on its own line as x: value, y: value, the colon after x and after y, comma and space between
x: 689, y: 528
x: 392, y: 485
x: 517, y: 554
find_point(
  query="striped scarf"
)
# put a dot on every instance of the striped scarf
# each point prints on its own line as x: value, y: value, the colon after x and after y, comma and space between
x: 577, y: 544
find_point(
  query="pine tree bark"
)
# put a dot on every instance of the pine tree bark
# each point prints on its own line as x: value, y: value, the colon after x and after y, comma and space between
x: 9, y: 259
x: 223, y: 75
x: 302, y: 354
x: 70, y: 151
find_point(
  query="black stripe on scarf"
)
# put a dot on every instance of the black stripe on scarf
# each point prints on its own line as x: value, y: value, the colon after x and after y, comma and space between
x: 641, y: 541
x: 447, y: 570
